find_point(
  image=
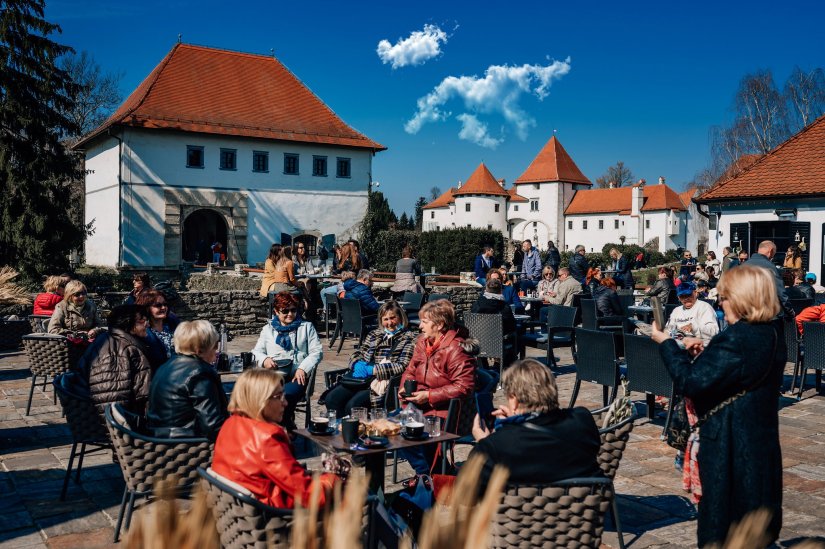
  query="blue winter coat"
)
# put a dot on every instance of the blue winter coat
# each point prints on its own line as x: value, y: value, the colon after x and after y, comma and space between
x: 361, y: 292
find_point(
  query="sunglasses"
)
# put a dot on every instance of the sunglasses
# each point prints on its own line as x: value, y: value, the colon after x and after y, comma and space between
x: 81, y: 293
x: 289, y: 311
x: 159, y: 305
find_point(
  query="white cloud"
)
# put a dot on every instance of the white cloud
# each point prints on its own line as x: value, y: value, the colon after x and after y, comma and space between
x: 419, y: 47
x: 474, y: 130
x: 498, y: 91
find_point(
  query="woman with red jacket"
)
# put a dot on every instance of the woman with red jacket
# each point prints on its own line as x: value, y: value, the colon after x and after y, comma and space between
x: 253, y: 449
x: 443, y: 367
x: 45, y: 303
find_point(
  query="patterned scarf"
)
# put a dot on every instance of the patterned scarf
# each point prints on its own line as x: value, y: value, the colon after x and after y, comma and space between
x: 282, y: 339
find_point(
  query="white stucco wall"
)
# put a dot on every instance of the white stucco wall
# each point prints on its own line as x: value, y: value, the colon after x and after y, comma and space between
x: 594, y: 238
x: 808, y: 210
x: 101, y: 248
x: 482, y: 212
x: 438, y: 219
x: 278, y: 203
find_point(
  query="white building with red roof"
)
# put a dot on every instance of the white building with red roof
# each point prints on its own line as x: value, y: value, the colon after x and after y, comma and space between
x: 779, y: 197
x: 221, y: 145
x: 553, y: 200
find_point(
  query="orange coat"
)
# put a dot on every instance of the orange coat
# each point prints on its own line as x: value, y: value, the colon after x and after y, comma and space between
x: 810, y: 314
x: 448, y: 373
x: 257, y: 455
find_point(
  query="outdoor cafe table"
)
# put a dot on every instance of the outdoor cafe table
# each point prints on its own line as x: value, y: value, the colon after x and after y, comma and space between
x: 643, y: 310
x: 375, y: 459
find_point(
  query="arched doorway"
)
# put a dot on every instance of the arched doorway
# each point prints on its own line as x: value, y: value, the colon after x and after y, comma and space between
x: 200, y: 230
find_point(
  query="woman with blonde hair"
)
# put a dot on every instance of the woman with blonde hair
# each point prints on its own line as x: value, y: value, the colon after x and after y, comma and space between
x: 45, y: 303
x: 548, y: 284
x: 253, y: 449
x: 730, y: 387
x: 76, y: 314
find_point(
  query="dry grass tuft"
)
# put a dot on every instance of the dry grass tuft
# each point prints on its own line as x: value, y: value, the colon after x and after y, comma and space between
x: 11, y: 293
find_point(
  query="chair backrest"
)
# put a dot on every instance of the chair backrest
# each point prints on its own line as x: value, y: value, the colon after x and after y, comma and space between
x: 488, y: 329
x: 142, y: 458
x: 814, y: 339
x: 39, y: 323
x: 460, y: 415
x: 624, y: 291
x: 613, y: 441
x: 351, y: 319
x: 391, y: 401
x: 435, y: 297
x: 791, y: 339
x: 588, y: 308
x: 414, y: 301
x: 596, y: 357
x: 82, y: 416
x: 242, y: 520
x: 48, y: 354
x: 626, y: 300
x: 568, y: 513
x: 12, y: 331
x: 646, y: 371
x: 799, y: 304
x: 560, y: 316
x: 577, y: 303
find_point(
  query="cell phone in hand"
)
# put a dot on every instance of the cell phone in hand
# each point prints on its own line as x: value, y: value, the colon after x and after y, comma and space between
x: 658, y: 312
x: 484, y: 404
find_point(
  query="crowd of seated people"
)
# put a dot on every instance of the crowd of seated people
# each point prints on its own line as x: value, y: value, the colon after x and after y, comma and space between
x: 360, y: 288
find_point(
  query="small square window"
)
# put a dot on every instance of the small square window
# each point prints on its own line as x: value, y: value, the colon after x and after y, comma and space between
x: 229, y: 159
x: 535, y: 224
x: 260, y: 161
x: 584, y: 224
x: 615, y: 223
x: 319, y: 166
x: 570, y: 225
x: 601, y: 223
x: 534, y: 205
x: 469, y: 226
x: 489, y: 227
x: 343, y: 167
x: 535, y: 185
x: 496, y: 208
x: 712, y: 222
x: 290, y: 164
x: 515, y: 208
x: 432, y: 215
x: 647, y: 223
x: 467, y: 207
x: 194, y: 156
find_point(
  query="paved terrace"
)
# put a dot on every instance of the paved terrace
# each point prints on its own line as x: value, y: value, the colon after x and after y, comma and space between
x: 654, y: 511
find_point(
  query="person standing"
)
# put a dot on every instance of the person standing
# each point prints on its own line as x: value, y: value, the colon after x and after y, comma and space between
x: 406, y: 269
x: 731, y: 387
x: 764, y: 258
x: 553, y: 257
x: 530, y: 267
x: 729, y: 259
x: 622, y: 269
x: 579, y: 265
x: 484, y: 262
x: 793, y: 258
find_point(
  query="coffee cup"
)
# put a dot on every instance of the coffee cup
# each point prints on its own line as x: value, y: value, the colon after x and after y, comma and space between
x: 319, y: 424
x: 410, y: 386
x: 349, y: 429
x: 248, y: 360
x: 414, y: 429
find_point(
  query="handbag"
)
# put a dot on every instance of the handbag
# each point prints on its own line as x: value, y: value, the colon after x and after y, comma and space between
x: 415, y: 499
x: 678, y: 430
x: 355, y: 383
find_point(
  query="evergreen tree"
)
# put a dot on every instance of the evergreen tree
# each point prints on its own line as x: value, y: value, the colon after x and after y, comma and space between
x: 404, y: 222
x: 36, y: 233
x: 379, y: 216
x: 419, y: 213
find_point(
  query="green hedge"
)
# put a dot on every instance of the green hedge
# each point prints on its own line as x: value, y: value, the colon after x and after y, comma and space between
x: 454, y: 250
x: 654, y: 258
x: 385, y: 248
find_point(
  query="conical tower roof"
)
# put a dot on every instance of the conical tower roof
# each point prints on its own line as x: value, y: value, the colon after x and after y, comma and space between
x: 481, y: 182
x: 553, y: 164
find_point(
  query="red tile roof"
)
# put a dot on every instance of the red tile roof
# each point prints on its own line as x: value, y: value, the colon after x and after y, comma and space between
x: 618, y: 201
x: 515, y: 197
x: 687, y: 196
x: 795, y: 168
x: 442, y: 201
x: 207, y: 90
x: 553, y: 164
x: 481, y: 182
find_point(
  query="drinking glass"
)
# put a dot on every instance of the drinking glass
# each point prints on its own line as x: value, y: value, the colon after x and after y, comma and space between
x: 361, y: 414
x: 236, y: 365
x: 433, y: 425
x: 333, y: 418
x: 379, y: 413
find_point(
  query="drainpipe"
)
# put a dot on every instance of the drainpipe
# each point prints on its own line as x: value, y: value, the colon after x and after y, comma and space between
x: 119, y: 197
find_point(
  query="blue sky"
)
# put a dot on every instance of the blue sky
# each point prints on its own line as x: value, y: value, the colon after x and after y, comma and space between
x: 644, y: 83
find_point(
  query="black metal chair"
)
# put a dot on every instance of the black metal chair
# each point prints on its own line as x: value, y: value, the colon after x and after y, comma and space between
x: 352, y: 321
x: 143, y: 459
x: 414, y: 301
x: 49, y: 356
x: 796, y: 351
x: 12, y: 332
x: 813, y: 337
x: 488, y: 329
x: 84, y: 422
x: 799, y: 305
x: 558, y: 332
x: 592, y: 321
x: 647, y: 373
x: 305, y: 404
x: 595, y: 356
x: 435, y: 297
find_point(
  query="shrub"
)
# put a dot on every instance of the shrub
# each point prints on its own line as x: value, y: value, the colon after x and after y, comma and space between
x: 385, y: 248
x: 454, y: 250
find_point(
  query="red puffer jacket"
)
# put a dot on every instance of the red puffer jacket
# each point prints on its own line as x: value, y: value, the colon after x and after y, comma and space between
x: 45, y: 303
x: 448, y: 373
x: 257, y: 455
x: 810, y: 314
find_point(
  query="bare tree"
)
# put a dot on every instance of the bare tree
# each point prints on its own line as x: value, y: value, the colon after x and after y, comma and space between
x: 760, y: 104
x: 805, y: 96
x: 435, y: 192
x: 620, y: 175
x: 98, y: 94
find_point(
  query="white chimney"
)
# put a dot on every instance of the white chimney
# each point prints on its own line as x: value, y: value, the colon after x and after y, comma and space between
x: 642, y: 182
x: 661, y: 180
x: 459, y: 184
x: 502, y: 182
x: 637, y: 197
x: 611, y: 185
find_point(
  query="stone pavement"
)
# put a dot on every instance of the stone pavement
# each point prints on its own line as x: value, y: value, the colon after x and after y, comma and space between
x: 654, y: 511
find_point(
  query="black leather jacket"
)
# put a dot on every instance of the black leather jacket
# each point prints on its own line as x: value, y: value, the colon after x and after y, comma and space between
x: 578, y: 267
x: 186, y: 399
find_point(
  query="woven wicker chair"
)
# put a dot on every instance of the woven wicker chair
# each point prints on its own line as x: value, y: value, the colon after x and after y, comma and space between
x: 647, y: 373
x: 245, y: 522
x: 488, y: 329
x: 143, y: 459
x: 613, y: 443
x: 12, y: 332
x: 49, y: 356
x: 569, y: 513
x: 353, y: 321
x: 84, y: 422
x: 39, y: 323
x: 595, y: 356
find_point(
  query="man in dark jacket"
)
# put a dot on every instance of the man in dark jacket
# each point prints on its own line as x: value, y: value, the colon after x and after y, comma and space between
x: 492, y: 302
x: 762, y: 258
x: 360, y: 288
x: 483, y: 263
x: 622, y: 269
x: 186, y: 398
x: 553, y: 257
x: 801, y: 289
x: 578, y: 265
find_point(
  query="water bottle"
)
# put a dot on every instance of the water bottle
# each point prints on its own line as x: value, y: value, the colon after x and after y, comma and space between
x: 223, y: 360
